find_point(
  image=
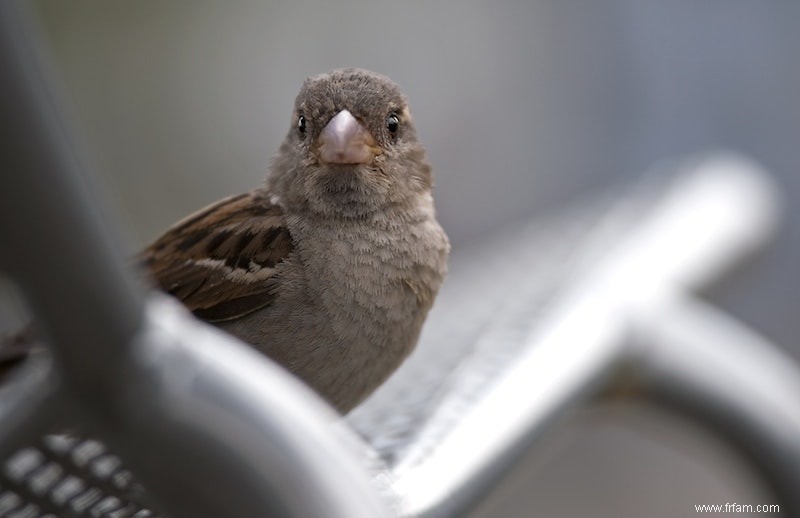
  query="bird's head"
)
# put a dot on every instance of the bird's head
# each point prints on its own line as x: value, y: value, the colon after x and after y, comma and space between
x: 351, y: 149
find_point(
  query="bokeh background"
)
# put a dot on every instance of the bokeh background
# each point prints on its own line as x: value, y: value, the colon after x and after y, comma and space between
x: 524, y: 106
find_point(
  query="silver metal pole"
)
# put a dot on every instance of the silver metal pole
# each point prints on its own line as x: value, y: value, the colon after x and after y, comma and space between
x: 696, y: 360
x: 209, y: 426
x: 717, y: 212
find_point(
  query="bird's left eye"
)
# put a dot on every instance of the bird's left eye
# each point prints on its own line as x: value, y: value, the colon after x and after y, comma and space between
x: 393, y: 123
x: 301, y: 125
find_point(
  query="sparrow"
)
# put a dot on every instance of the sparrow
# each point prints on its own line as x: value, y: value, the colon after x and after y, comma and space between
x: 331, y: 266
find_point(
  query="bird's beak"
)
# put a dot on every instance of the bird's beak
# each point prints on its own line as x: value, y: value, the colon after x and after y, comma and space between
x: 346, y: 141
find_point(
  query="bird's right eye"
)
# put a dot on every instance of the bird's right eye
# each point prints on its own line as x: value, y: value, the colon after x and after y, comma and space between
x: 301, y: 125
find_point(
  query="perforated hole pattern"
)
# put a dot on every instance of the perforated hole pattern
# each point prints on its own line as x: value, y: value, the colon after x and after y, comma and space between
x: 67, y: 476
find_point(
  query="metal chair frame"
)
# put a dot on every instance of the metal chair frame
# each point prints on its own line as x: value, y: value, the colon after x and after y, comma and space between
x: 212, y: 428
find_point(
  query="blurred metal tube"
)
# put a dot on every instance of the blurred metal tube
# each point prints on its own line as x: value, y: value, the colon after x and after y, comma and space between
x: 701, y: 362
x: 717, y: 211
x: 54, y: 241
x: 215, y: 429
x: 211, y: 427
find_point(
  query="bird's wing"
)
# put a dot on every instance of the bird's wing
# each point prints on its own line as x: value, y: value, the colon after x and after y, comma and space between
x: 220, y: 262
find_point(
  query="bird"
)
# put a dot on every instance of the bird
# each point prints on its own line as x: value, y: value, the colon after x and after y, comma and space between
x: 331, y: 266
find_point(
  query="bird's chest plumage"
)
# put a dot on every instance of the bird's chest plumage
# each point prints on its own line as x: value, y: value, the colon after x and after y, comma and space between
x: 373, y: 283
x: 351, y: 302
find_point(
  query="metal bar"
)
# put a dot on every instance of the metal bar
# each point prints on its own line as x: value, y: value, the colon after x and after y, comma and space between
x: 216, y: 429
x: 695, y: 359
x: 718, y: 211
x: 210, y: 427
x: 54, y: 243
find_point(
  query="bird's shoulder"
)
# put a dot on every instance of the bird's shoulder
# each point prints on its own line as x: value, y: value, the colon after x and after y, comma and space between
x: 220, y: 262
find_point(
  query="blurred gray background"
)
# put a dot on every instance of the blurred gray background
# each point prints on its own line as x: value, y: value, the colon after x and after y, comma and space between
x: 523, y: 106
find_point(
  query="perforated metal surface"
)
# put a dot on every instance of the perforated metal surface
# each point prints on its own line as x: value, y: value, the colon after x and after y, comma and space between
x: 65, y: 475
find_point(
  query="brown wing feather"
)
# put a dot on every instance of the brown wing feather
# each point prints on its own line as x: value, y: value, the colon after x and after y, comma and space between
x: 221, y: 260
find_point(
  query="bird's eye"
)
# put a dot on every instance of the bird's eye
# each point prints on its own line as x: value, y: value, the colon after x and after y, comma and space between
x: 393, y: 123
x: 301, y: 125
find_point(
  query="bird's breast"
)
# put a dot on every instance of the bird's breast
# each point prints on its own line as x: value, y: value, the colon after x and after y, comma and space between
x: 351, y: 301
x: 376, y: 281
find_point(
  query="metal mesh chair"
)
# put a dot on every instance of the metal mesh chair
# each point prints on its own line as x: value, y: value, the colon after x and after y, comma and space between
x: 140, y: 410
